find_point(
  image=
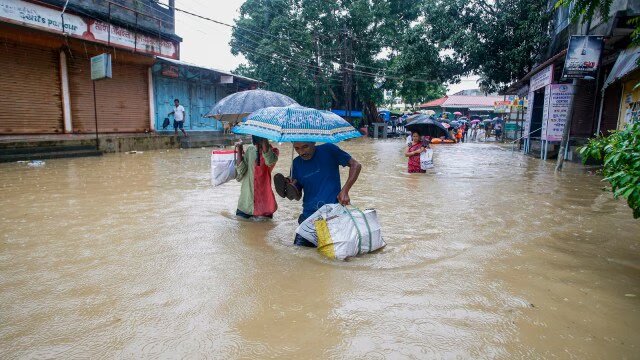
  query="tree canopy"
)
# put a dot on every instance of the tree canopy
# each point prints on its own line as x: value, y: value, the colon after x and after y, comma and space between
x: 345, y: 53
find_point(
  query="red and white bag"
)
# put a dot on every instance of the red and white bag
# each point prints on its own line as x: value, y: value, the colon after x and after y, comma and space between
x: 223, y: 166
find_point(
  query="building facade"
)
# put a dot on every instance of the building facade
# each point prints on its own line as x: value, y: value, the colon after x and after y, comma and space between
x: 595, y: 103
x: 45, y: 57
x: 198, y: 90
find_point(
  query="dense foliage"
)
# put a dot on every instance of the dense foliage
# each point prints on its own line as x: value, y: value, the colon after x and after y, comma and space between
x: 348, y: 52
x: 498, y: 40
x: 620, y: 152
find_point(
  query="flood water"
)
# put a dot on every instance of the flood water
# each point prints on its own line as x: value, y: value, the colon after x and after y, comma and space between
x: 489, y: 255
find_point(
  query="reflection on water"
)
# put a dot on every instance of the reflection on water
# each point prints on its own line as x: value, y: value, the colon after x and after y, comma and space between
x: 490, y: 254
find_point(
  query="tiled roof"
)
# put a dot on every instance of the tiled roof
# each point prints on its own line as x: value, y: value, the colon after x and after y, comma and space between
x: 432, y: 103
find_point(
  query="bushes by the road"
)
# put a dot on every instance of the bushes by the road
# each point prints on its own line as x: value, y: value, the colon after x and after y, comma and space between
x: 620, y: 152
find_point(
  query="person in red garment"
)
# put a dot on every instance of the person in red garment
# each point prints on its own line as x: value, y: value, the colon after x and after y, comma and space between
x: 253, y: 170
x: 413, y: 153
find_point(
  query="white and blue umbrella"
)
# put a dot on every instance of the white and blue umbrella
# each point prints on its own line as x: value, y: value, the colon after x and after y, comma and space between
x: 238, y: 106
x: 297, y: 123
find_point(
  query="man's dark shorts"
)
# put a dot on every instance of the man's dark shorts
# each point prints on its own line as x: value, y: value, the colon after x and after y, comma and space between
x: 178, y: 125
x: 299, y: 240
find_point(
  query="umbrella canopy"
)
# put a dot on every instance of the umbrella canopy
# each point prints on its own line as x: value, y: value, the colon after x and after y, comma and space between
x: 425, y: 125
x: 475, y: 121
x: 237, y: 106
x: 297, y: 123
x: 455, y: 123
x: 457, y: 113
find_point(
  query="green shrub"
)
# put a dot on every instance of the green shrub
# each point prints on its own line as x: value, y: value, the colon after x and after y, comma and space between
x: 620, y: 153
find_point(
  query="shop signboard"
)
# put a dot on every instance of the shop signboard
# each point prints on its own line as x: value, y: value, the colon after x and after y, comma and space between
x: 44, y: 18
x: 101, y: 67
x: 545, y: 113
x: 541, y: 79
x: 527, y: 119
x: 583, y: 57
x: 556, y: 110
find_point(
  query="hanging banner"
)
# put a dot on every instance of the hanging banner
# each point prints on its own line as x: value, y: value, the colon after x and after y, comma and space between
x: 502, y: 107
x: 541, y: 79
x: 556, y: 110
x: 583, y: 57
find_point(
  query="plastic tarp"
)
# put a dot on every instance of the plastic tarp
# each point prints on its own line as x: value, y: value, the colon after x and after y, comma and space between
x: 627, y: 62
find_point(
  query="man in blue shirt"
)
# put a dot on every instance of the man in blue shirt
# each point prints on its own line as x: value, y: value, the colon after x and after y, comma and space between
x: 316, y: 174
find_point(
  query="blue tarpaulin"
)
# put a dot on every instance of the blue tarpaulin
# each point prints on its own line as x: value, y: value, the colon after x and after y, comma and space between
x: 343, y: 113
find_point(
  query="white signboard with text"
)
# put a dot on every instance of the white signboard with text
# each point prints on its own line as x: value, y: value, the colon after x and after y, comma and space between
x: 555, y: 112
x: 44, y: 18
x: 527, y: 122
x: 541, y: 79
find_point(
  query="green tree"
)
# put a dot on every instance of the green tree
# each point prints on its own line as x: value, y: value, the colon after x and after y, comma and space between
x: 323, y: 53
x: 500, y: 40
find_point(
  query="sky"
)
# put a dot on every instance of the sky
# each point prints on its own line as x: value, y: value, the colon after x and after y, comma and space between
x: 207, y: 44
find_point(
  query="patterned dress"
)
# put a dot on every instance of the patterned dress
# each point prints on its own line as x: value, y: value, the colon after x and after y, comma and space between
x: 414, y: 160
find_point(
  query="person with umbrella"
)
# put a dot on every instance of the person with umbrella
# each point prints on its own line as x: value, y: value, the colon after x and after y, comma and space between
x: 315, y: 175
x: 413, y: 153
x: 253, y: 170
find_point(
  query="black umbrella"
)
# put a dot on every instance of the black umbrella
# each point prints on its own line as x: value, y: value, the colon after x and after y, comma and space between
x: 426, y: 126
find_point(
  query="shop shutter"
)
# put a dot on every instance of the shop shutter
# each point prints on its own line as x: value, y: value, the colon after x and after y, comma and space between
x: 30, y: 90
x: 582, y: 123
x: 611, y: 108
x: 122, y: 101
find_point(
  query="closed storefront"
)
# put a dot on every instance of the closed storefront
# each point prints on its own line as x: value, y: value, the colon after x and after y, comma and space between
x: 584, y: 107
x: 610, y: 108
x: 121, y: 103
x: 30, y: 89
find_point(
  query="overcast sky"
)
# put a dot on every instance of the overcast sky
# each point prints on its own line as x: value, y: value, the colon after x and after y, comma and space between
x: 207, y: 44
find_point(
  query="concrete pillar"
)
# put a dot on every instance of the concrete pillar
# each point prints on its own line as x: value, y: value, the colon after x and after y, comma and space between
x: 152, y: 102
x: 66, y: 95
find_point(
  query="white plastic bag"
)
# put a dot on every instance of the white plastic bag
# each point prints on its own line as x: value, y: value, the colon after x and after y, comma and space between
x: 339, y: 232
x: 223, y: 166
x: 426, y: 159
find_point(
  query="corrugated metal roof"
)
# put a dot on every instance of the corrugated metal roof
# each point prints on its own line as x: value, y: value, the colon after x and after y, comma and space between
x: 184, y: 63
x: 626, y: 62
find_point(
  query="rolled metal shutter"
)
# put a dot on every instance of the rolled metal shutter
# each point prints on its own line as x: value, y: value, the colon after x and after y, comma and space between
x: 30, y: 90
x: 582, y: 123
x: 122, y: 102
x: 611, y: 108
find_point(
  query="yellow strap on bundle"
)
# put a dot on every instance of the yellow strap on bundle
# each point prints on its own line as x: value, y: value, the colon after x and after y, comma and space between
x: 325, y: 244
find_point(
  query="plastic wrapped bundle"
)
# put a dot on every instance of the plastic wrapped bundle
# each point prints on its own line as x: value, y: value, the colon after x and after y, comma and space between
x: 223, y: 166
x: 340, y: 233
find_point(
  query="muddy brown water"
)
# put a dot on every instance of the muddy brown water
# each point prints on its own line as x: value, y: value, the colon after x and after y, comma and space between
x: 490, y: 255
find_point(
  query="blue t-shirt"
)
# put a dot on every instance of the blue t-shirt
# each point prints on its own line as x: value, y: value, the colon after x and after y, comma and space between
x: 319, y: 177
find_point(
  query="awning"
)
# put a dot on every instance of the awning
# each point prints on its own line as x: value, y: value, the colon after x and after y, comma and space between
x: 481, y: 108
x: 627, y: 62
